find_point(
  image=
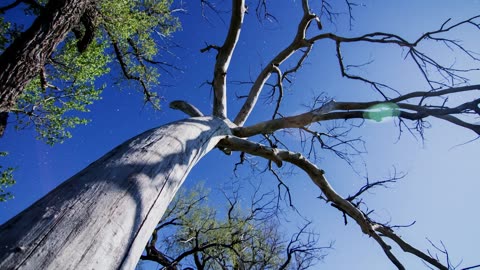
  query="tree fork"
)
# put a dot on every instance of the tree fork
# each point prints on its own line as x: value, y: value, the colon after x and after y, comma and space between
x: 102, y: 217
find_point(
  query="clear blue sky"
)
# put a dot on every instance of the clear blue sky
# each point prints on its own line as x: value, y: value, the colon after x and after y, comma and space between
x: 442, y: 182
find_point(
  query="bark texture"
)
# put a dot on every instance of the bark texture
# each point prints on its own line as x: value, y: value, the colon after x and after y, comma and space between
x: 22, y: 60
x: 102, y: 217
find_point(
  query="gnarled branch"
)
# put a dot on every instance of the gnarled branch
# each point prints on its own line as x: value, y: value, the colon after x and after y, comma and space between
x: 368, y: 227
x: 360, y: 110
x: 297, y: 43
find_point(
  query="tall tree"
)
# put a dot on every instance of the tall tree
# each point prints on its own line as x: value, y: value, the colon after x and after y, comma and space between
x: 112, y: 206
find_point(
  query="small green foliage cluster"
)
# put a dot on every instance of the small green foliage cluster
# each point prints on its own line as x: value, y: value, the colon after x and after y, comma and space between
x: 6, y: 180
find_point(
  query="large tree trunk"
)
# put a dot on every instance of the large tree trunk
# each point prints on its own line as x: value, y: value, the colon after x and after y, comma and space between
x: 102, y: 217
x: 24, y: 58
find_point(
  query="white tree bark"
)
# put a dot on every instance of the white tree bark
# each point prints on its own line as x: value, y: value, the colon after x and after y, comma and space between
x: 223, y: 59
x: 102, y: 217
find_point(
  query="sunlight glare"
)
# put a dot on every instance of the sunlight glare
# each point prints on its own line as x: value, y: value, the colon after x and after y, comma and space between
x: 382, y: 112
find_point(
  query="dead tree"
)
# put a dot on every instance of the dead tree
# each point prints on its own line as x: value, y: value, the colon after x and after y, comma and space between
x: 103, y: 216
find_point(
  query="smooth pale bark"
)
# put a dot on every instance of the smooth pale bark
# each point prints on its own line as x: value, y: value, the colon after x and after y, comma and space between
x: 223, y: 59
x: 102, y: 217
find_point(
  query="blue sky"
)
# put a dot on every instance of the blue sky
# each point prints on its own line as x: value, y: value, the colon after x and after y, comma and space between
x: 438, y: 192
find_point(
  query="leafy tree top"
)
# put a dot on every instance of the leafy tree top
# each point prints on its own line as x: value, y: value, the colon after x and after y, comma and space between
x: 122, y: 33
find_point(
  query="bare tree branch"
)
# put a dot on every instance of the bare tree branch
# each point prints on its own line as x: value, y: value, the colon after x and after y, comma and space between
x: 297, y: 43
x: 408, y: 248
x: 185, y: 107
x: 424, y: 61
x: 359, y: 110
x: 368, y: 227
x: 223, y: 59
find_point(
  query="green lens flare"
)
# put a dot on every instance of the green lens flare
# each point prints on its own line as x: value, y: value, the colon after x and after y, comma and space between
x: 381, y: 112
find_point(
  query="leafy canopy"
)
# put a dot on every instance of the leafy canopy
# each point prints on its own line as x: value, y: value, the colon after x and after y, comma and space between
x: 125, y: 33
x: 193, y: 233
